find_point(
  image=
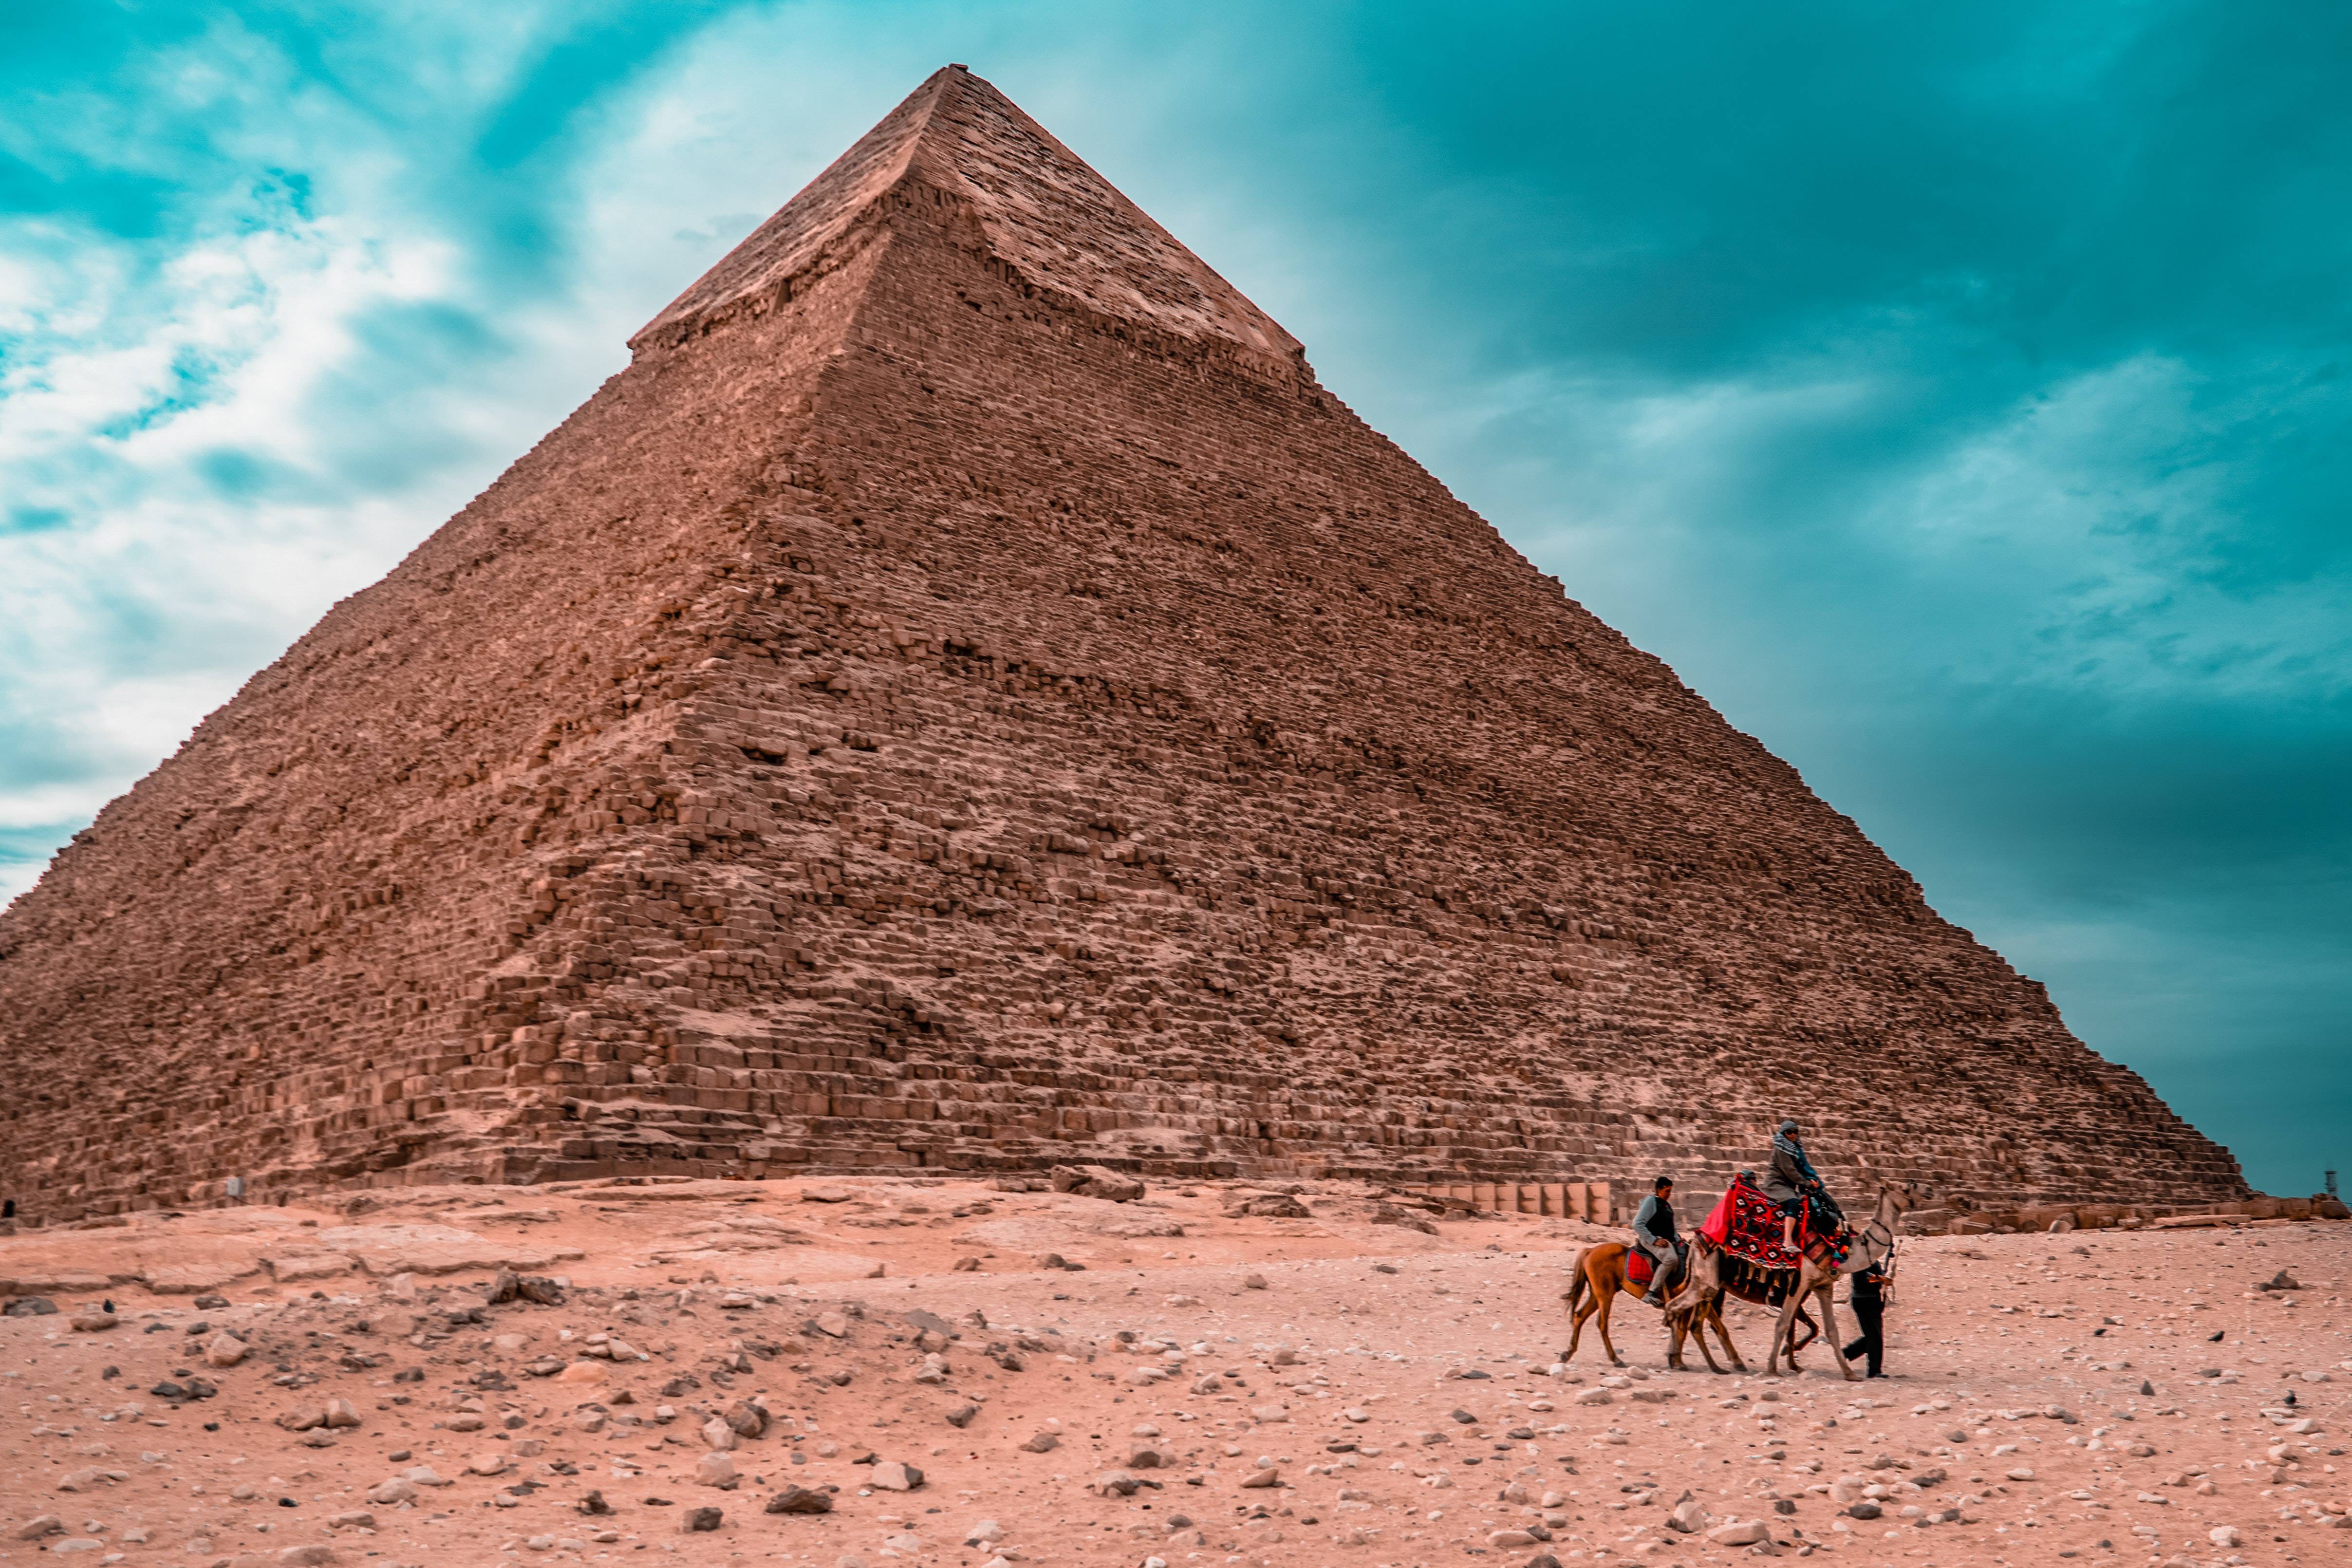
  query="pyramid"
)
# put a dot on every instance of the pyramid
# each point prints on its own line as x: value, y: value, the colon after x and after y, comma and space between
x: 967, y: 697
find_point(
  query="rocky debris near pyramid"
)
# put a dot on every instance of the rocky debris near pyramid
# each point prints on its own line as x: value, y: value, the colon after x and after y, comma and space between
x: 966, y: 697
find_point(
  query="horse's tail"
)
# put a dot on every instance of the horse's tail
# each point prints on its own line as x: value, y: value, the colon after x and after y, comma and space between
x: 1576, y: 1281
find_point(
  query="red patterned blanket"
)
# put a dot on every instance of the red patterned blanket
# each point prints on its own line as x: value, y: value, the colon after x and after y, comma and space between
x: 1747, y: 1225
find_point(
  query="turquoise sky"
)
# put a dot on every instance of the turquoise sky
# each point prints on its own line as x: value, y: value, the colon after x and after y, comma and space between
x: 1960, y: 396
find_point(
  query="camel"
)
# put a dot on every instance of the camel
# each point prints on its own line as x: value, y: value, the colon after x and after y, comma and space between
x: 1601, y: 1271
x: 1874, y: 1243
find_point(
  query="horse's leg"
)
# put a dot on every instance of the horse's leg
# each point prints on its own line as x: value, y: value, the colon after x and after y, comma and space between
x: 1582, y: 1311
x: 1607, y: 1302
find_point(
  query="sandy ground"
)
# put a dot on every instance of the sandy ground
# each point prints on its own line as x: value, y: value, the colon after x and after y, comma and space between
x: 2114, y: 1397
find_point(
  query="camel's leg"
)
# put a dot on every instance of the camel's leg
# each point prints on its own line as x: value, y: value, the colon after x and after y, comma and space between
x: 1784, y: 1332
x: 1724, y: 1333
x: 1697, y: 1321
x: 1829, y: 1330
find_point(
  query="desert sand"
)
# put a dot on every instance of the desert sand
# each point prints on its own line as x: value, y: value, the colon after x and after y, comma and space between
x: 919, y: 1359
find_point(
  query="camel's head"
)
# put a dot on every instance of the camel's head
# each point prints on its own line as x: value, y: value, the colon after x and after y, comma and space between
x: 1907, y: 1195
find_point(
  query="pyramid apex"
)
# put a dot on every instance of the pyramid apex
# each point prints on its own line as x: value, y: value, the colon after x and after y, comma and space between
x: 1042, y: 210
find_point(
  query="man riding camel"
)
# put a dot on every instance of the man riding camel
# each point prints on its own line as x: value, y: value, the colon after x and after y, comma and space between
x: 1792, y: 1183
x: 1654, y: 1233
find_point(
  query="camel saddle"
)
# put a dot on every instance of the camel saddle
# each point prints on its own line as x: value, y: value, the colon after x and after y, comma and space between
x: 1746, y: 1225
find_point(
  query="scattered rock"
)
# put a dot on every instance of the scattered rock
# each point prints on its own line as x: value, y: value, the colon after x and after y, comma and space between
x: 800, y: 1500
x: 1094, y: 1182
x: 1042, y: 1443
x: 891, y: 1474
x: 1269, y: 1206
x: 1265, y: 1478
x: 700, y: 1519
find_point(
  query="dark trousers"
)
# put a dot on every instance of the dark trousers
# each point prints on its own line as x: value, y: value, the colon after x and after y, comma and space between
x: 1868, y: 1315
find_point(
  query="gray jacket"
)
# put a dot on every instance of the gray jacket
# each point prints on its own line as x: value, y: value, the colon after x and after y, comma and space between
x: 1655, y: 1218
x: 1792, y: 1174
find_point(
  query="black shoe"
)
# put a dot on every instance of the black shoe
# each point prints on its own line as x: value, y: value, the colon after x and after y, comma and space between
x: 1653, y: 1300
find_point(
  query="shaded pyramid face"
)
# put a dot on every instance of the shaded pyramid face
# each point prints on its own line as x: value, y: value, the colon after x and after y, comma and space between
x: 965, y: 697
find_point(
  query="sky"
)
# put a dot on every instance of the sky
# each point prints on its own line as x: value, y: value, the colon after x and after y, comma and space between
x: 1958, y: 398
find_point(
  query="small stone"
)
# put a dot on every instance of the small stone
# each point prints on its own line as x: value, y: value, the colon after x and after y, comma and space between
x: 89, y: 1480
x: 316, y: 1556
x: 1269, y: 1478
x: 398, y: 1489
x: 487, y: 1464
x: 1748, y: 1532
x: 583, y: 1372
x: 1253, y: 1281
x: 700, y: 1519
x: 800, y: 1500
x: 88, y: 1322
x: 341, y: 1413
x: 1042, y: 1443
x: 962, y: 1415
x: 2021, y: 1474
x: 224, y: 1349
x: 987, y: 1532
x: 2225, y: 1535
x: 891, y: 1474
x: 43, y: 1525
x: 715, y: 1469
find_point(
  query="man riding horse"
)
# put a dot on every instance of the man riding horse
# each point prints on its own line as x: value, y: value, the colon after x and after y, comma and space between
x: 1654, y: 1232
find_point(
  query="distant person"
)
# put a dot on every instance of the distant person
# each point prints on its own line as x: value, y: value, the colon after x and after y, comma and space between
x: 1654, y: 1232
x: 235, y: 1189
x: 1869, y: 1314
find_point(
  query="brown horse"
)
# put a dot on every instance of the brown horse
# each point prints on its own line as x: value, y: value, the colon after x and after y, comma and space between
x: 1599, y: 1274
